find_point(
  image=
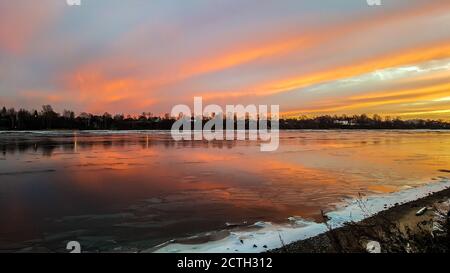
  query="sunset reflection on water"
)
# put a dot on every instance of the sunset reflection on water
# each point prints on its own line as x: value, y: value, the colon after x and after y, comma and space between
x: 142, y: 188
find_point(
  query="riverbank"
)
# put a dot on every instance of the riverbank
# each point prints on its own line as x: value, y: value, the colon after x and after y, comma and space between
x: 302, y: 235
x: 418, y: 226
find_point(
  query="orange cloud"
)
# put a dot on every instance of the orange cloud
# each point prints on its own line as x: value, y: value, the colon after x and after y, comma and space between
x: 245, y: 54
x: 387, y: 101
x: 431, y: 113
x: 394, y: 60
x: 434, y: 52
x: 295, y: 42
x: 100, y: 93
x: 276, y: 45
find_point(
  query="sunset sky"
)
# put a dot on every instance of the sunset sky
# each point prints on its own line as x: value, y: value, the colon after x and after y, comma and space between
x: 310, y: 57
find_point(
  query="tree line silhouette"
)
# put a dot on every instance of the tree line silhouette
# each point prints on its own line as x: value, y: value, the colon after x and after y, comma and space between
x: 48, y: 119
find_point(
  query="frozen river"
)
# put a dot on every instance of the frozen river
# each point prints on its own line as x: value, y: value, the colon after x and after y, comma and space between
x: 129, y: 191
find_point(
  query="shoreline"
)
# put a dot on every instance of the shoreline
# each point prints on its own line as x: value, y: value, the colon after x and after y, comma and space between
x: 404, y: 228
x: 300, y: 235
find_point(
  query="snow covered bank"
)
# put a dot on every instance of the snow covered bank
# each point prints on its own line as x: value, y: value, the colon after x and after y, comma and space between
x: 264, y: 236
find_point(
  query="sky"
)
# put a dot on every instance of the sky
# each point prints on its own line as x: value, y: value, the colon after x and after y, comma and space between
x: 310, y: 57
